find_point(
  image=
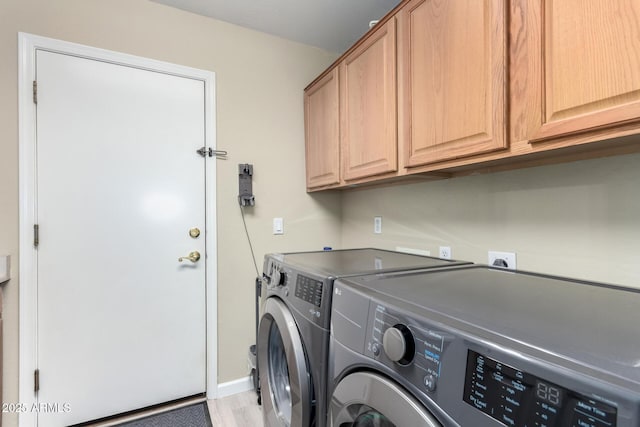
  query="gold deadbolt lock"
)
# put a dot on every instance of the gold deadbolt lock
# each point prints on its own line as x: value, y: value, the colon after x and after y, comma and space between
x: 194, y: 232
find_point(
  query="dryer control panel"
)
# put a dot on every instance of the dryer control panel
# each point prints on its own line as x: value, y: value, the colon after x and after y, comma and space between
x: 469, y: 375
x: 404, y: 345
x: 413, y: 349
x: 434, y: 359
x: 515, y: 397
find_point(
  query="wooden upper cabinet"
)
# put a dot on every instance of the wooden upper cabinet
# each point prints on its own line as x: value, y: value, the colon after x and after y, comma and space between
x: 452, y: 75
x: 321, y: 114
x: 590, y: 70
x: 426, y: 90
x: 368, y: 106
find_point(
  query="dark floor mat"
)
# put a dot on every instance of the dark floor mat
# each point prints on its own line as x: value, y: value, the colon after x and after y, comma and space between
x: 196, y: 415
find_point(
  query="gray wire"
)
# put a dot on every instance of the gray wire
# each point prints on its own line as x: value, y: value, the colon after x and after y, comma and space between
x: 253, y: 256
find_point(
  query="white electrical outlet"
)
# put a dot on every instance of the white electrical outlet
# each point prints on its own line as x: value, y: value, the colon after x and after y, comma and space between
x: 278, y: 226
x: 445, y: 252
x: 377, y: 225
x: 502, y: 259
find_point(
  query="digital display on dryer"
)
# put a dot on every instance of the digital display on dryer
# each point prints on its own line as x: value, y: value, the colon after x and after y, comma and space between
x: 517, y: 398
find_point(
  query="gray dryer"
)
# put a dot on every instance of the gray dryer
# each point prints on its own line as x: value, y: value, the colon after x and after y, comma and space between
x: 483, y: 347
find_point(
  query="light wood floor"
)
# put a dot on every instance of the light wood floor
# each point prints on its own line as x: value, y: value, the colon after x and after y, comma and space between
x: 239, y: 410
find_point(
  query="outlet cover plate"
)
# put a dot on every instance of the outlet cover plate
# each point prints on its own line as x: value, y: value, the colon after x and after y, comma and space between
x: 444, y: 252
x: 508, y: 257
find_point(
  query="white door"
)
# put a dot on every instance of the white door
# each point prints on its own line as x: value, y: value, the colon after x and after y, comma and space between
x: 120, y: 321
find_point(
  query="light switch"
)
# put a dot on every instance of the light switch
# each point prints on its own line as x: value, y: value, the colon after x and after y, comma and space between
x: 278, y: 226
x: 377, y: 225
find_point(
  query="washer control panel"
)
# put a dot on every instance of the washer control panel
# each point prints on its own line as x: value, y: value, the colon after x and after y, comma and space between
x: 303, y: 292
x: 274, y: 274
x: 406, y: 346
x: 309, y: 289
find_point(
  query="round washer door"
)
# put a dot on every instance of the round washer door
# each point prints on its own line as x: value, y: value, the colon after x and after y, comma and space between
x: 284, y: 375
x: 364, y: 399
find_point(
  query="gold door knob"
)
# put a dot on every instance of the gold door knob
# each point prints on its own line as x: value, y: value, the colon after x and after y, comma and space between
x: 193, y: 257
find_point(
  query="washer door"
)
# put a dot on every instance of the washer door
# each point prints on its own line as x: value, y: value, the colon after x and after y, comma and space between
x: 364, y: 399
x: 284, y: 375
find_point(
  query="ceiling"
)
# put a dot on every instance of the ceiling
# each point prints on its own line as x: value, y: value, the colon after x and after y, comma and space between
x: 333, y: 25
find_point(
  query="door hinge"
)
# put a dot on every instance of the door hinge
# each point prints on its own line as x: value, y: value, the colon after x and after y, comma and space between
x: 35, y: 92
x: 36, y: 380
x: 210, y: 152
x: 36, y: 235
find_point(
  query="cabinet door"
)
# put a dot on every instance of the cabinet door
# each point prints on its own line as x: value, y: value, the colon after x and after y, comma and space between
x: 368, y: 106
x: 322, y: 136
x: 452, y: 79
x: 590, y: 64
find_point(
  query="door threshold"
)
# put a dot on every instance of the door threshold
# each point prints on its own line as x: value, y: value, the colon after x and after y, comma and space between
x: 144, y: 412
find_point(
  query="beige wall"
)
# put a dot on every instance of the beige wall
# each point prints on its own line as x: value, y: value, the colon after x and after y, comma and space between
x: 579, y: 219
x: 260, y: 80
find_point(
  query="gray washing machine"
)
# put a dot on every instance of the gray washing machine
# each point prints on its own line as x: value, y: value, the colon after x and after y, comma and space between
x: 483, y: 347
x: 293, y: 336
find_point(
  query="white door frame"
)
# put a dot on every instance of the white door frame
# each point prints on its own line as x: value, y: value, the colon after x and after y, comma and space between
x: 27, y: 46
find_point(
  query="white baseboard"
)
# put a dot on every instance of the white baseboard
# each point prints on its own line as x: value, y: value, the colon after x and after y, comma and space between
x: 234, y: 387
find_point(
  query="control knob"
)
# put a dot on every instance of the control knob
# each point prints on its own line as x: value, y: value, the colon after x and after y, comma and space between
x: 279, y: 277
x: 398, y: 344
